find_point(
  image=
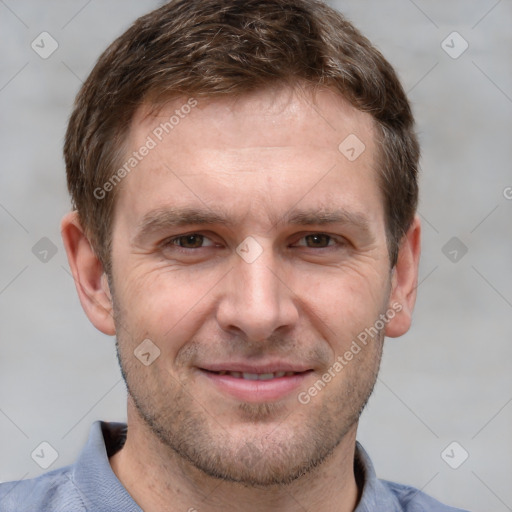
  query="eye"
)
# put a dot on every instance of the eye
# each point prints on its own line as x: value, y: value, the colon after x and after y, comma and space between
x: 190, y: 241
x: 319, y: 241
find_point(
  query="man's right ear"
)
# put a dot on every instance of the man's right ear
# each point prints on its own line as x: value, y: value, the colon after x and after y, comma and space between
x: 88, y: 273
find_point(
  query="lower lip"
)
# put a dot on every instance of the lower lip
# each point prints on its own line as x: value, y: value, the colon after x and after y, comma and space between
x: 257, y: 390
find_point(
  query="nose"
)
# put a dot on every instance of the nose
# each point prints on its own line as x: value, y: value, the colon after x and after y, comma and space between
x: 257, y: 300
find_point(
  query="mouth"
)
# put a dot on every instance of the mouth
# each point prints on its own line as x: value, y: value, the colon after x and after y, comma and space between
x: 256, y: 385
x: 254, y: 376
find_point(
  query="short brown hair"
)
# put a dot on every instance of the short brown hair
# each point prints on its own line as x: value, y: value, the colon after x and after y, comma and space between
x: 218, y: 48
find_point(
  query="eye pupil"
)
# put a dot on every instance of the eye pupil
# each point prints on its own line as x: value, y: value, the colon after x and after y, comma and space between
x: 318, y: 239
x: 191, y: 241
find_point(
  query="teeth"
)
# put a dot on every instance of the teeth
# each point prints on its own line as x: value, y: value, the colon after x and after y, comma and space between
x: 256, y: 376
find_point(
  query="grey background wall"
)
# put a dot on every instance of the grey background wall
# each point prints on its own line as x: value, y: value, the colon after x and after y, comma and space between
x: 448, y: 380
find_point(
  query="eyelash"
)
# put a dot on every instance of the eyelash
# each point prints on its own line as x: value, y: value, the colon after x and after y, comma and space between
x: 171, y: 242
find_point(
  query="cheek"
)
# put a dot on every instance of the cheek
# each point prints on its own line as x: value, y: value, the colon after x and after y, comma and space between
x: 163, y: 304
x: 348, y: 299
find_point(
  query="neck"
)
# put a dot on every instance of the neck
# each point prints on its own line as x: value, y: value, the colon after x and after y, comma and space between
x: 159, y: 479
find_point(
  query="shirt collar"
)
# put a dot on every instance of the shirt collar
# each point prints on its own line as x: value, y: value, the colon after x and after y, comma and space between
x: 375, y: 495
x: 92, y: 474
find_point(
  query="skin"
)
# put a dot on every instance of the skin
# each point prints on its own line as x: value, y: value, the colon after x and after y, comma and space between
x: 304, y: 300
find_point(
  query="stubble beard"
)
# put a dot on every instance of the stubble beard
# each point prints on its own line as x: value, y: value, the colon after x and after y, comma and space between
x: 275, y: 449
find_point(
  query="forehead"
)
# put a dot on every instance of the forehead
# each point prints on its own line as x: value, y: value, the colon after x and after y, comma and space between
x: 266, y: 149
x: 267, y: 118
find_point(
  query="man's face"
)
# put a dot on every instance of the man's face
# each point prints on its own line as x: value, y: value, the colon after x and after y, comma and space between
x: 313, y: 275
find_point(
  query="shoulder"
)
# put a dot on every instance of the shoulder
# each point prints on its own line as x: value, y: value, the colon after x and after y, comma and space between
x: 386, y: 496
x: 413, y: 500
x: 54, y: 491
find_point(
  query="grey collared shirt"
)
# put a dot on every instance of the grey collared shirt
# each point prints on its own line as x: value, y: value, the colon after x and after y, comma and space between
x: 90, y: 484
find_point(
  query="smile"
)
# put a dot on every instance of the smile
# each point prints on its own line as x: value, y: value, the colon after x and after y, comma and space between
x: 256, y: 376
x: 256, y: 387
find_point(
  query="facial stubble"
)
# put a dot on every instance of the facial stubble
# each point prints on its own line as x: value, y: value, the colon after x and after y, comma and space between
x: 269, y: 444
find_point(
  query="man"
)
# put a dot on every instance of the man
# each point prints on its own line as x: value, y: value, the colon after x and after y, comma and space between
x: 243, y: 176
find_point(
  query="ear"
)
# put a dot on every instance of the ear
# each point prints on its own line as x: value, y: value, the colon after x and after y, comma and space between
x: 90, y: 279
x: 404, y: 281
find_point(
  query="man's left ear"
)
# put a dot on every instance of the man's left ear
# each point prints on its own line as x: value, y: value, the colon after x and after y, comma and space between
x: 404, y: 281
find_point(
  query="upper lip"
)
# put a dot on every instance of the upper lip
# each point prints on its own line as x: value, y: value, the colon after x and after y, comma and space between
x: 270, y: 367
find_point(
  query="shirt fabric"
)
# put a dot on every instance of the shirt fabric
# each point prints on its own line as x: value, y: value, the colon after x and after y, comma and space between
x: 90, y: 485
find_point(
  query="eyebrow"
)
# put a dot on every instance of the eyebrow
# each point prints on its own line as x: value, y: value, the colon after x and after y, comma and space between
x: 326, y: 216
x: 165, y: 218
x: 357, y: 222
x: 161, y: 219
